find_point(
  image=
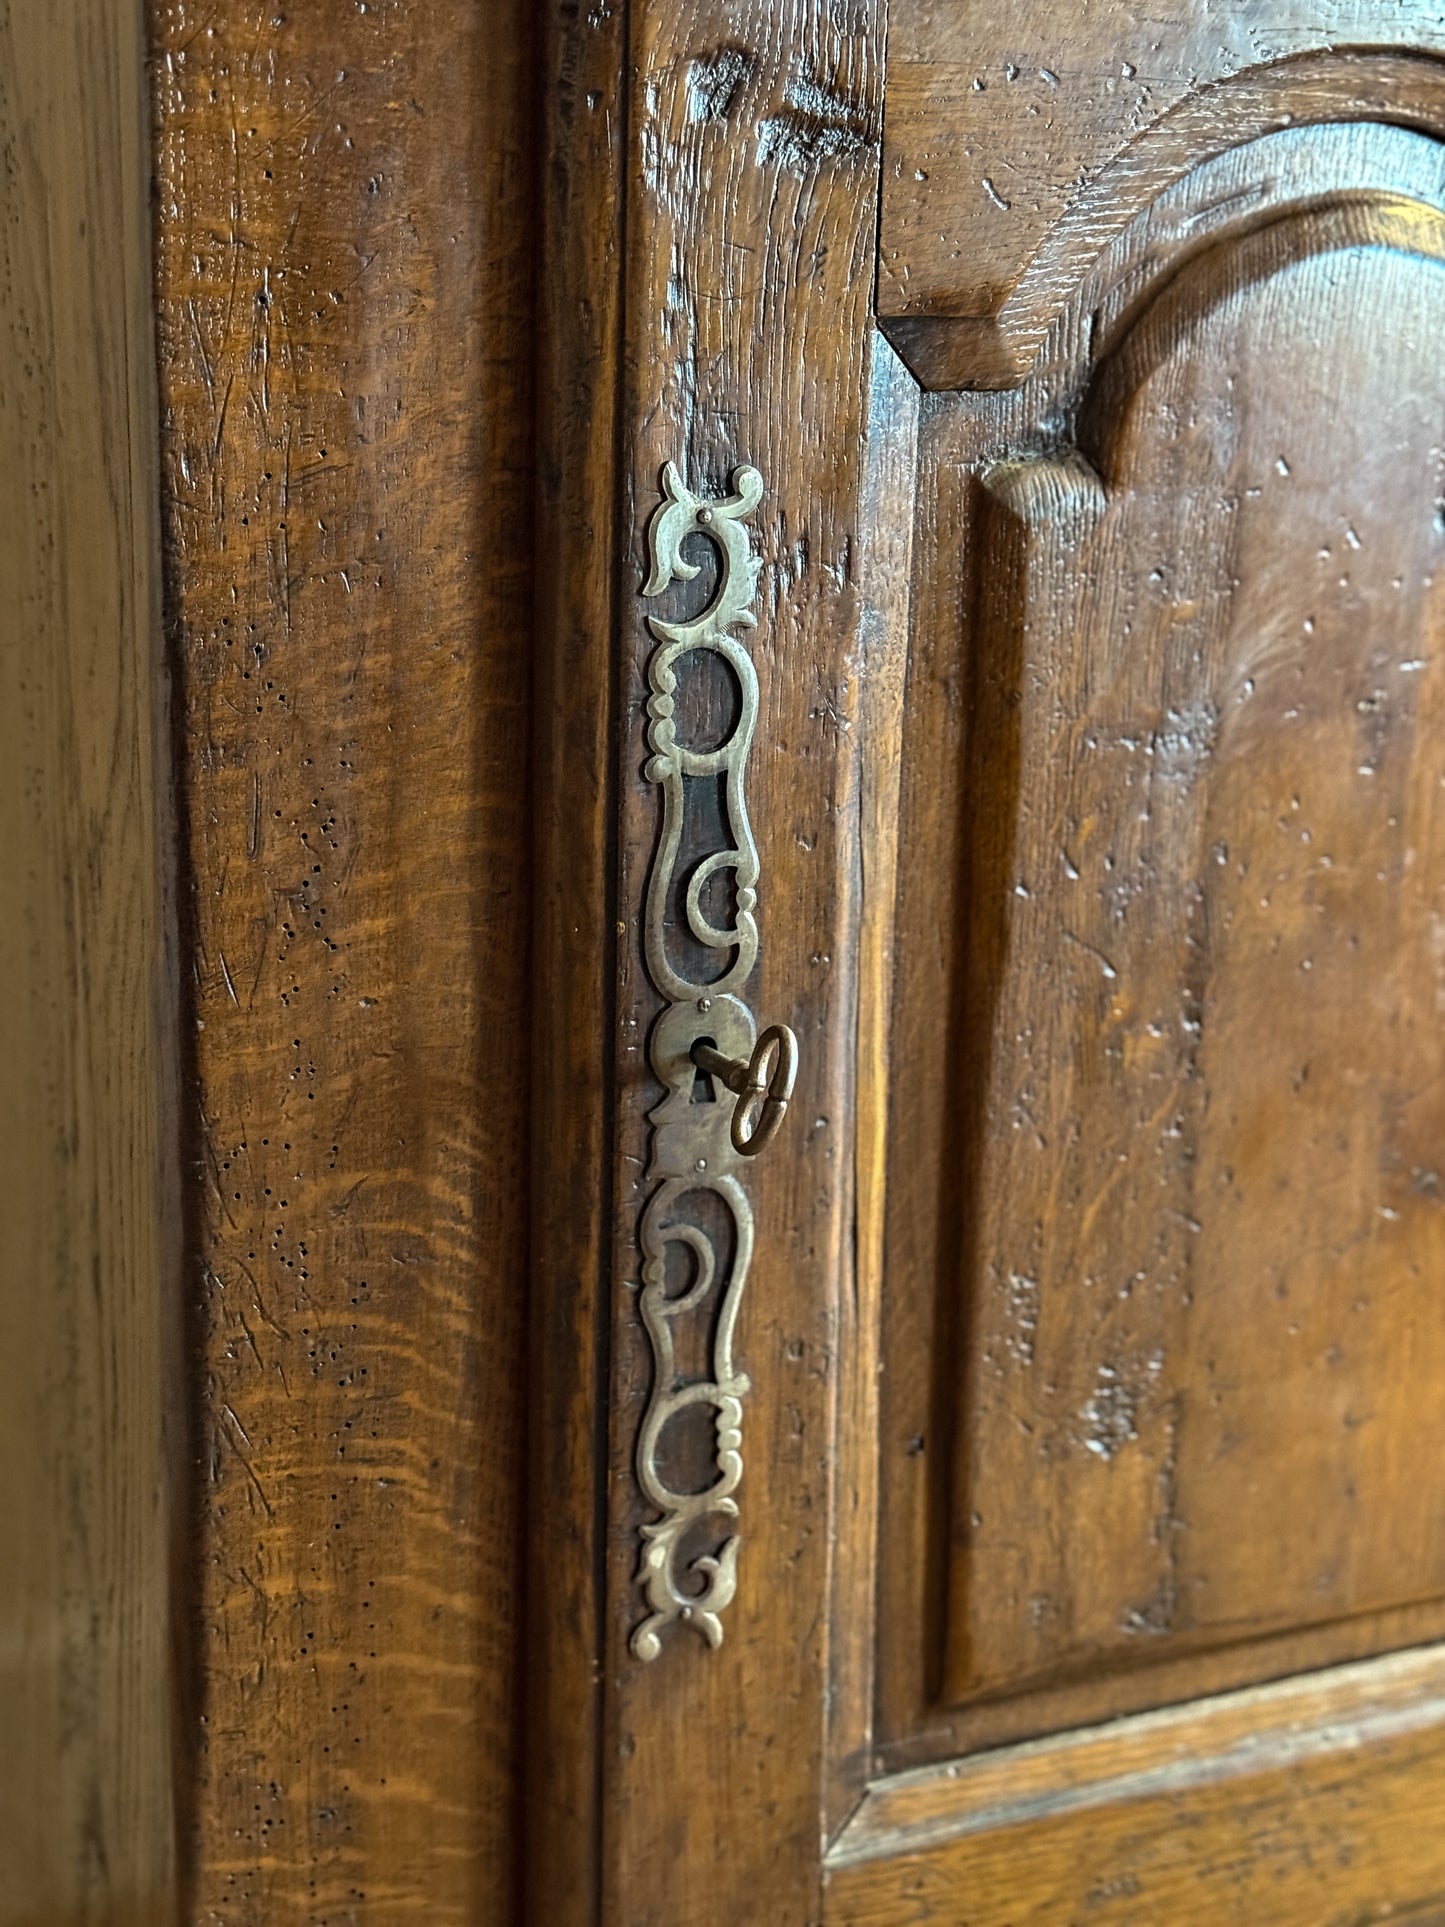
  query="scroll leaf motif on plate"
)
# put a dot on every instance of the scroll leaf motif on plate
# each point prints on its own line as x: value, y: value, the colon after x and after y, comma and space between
x: 692, y: 1155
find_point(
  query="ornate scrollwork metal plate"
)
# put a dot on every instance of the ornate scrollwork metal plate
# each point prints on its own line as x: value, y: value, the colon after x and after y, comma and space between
x: 693, y: 1158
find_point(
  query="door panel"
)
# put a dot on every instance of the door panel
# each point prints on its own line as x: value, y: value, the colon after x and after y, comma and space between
x: 1183, y: 1338
x: 1089, y: 1353
x: 1203, y: 1227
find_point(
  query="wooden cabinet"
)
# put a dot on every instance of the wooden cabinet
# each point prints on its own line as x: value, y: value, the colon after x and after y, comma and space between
x: 920, y: 524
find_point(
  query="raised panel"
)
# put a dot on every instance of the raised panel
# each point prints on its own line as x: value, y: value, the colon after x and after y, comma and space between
x: 1175, y: 837
x: 1207, y: 1215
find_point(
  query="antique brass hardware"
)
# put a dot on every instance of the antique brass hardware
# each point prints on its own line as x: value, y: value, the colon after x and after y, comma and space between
x: 696, y: 1229
x: 763, y: 1084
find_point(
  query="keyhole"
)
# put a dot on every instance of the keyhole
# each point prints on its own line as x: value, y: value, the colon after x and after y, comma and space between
x: 702, y: 1091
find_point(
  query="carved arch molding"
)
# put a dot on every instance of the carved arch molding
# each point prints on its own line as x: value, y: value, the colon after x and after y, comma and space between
x: 1107, y: 140
x: 1047, y: 457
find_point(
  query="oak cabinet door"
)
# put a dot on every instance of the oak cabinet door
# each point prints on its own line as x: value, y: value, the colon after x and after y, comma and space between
x: 1023, y: 1491
x: 810, y: 690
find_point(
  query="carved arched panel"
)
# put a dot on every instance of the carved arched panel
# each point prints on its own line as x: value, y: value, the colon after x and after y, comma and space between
x: 1171, y: 1241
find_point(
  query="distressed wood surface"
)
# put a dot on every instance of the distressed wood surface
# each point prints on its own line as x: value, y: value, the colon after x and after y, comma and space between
x: 347, y: 318
x: 1306, y: 1803
x: 1177, y: 1391
x: 88, y: 1260
x: 346, y: 339
x: 1019, y: 138
x: 1202, y: 1218
x: 1161, y: 1217
x: 753, y: 156
x: 1222, y: 1737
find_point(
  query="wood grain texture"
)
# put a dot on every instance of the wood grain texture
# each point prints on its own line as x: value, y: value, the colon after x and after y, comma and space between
x: 1245, y: 1422
x: 88, y: 1261
x: 885, y: 580
x: 1020, y: 139
x: 1305, y: 1804
x: 1219, y: 1113
x: 753, y: 155
x: 345, y: 300
x: 578, y: 550
x: 348, y: 317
